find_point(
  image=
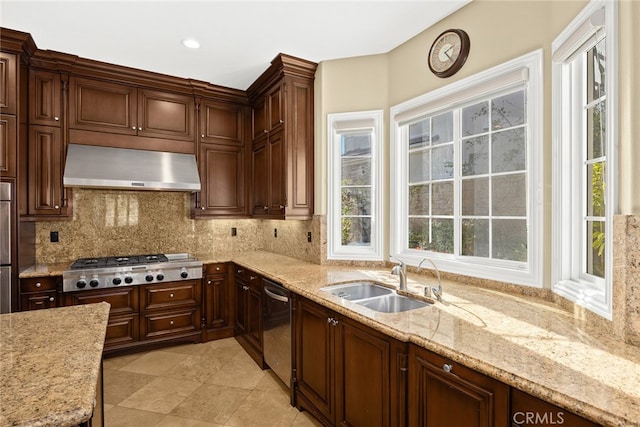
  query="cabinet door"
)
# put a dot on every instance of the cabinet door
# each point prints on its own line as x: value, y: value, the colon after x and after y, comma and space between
x: 166, y: 115
x: 102, y: 106
x: 363, y: 395
x: 8, y: 83
x: 38, y: 300
x: 276, y: 113
x: 45, y: 171
x: 223, y: 184
x: 315, y: 379
x: 444, y: 393
x: 254, y: 317
x: 222, y: 123
x: 260, y: 178
x: 44, y: 98
x: 241, y: 306
x: 277, y: 173
x: 259, y: 116
x: 8, y: 144
x: 215, y: 294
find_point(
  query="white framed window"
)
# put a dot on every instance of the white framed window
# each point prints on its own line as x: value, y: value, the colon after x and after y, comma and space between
x: 354, y: 219
x: 585, y: 157
x: 466, y: 182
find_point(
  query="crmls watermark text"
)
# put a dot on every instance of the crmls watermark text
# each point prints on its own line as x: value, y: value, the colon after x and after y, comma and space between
x: 538, y: 418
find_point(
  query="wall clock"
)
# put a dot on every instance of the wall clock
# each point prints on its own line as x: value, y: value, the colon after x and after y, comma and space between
x: 449, y: 52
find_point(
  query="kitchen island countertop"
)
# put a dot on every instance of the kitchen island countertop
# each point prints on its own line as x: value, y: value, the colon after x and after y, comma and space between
x: 50, y: 363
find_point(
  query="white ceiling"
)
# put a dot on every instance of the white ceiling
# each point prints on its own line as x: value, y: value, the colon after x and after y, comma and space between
x: 238, y: 38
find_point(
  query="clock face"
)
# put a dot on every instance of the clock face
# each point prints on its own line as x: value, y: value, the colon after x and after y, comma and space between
x: 448, y: 53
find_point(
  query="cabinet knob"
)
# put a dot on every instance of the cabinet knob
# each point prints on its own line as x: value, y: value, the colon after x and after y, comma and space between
x: 51, y: 299
x: 239, y: 271
x: 202, y: 136
x: 56, y: 118
x: 208, y: 282
x: 56, y: 207
x: 281, y: 121
x: 170, y: 295
x: 217, y: 268
x: 252, y: 277
x: 202, y: 208
x: 266, y: 131
x: 281, y: 207
x: 447, y: 368
x: 139, y: 128
x: 38, y: 284
x: 245, y: 288
x: 171, y: 322
x: 266, y: 208
x: 133, y: 128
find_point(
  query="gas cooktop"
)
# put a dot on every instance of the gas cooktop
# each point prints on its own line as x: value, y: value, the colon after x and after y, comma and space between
x: 130, y: 270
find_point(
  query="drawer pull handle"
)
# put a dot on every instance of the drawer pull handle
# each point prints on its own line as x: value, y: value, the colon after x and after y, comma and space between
x: 38, y: 284
x: 447, y: 367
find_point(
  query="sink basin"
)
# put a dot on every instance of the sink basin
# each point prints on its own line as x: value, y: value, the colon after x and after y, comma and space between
x: 393, y: 303
x: 357, y: 290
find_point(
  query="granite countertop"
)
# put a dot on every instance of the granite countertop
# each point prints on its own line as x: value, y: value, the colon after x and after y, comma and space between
x: 44, y: 379
x: 526, y: 342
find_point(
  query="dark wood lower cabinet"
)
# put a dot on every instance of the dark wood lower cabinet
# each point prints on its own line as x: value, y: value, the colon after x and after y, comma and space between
x: 445, y: 393
x: 248, y: 312
x: 347, y: 373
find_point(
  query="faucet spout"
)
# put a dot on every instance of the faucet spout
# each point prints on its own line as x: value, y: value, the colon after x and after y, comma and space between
x: 400, y: 271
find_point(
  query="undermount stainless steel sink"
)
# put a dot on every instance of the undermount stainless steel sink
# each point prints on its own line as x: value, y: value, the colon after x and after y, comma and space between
x: 393, y: 303
x: 375, y: 297
x: 355, y: 291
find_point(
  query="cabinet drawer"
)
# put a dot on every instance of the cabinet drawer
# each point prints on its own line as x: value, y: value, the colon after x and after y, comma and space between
x: 215, y: 268
x: 170, y: 295
x: 170, y: 322
x: 36, y: 284
x: 38, y: 300
x: 123, y: 300
x: 122, y: 330
x: 250, y: 277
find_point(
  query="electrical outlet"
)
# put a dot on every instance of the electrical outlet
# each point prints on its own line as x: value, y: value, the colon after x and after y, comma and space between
x: 309, y: 236
x: 275, y: 232
x: 54, y: 237
x: 234, y: 231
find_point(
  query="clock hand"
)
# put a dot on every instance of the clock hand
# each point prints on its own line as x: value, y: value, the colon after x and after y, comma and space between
x: 446, y: 52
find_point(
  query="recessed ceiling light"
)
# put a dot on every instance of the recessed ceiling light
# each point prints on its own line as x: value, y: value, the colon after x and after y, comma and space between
x: 191, y: 43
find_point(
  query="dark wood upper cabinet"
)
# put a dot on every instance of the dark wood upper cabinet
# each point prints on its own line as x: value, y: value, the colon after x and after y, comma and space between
x: 8, y: 83
x: 282, y: 112
x: 141, y: 118
x: 8, y: 144
x: 45, y: 98
x: 222, y: 160
x: 46, y: 195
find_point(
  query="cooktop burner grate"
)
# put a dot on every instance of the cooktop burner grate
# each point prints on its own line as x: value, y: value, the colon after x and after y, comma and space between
x: 116, y: 261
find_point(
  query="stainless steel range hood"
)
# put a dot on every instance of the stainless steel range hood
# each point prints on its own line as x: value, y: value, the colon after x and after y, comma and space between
x: 121, y: 168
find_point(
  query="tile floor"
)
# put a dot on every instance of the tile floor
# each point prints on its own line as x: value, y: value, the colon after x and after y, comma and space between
x: 213, y: 384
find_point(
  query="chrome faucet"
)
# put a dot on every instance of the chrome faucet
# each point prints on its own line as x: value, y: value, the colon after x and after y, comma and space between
x: 428, y: 290
x: 401, y: 271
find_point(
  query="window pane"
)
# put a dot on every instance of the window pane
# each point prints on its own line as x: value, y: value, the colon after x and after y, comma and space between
x: 595, y: 189
x: 419, y: 166
x: 442, y: 236
x: 508, y: 111
x: 442, y: 196
x: 475, y: 119
x: 475, y: 197
x: 475, y: 237
x: 442, y: 128
x: 475, y: 156
x: 418, y: 233
x: 356, y: 171
x: 356, y: 231
x: 508, y: 195
x: 419, y: 199
x: 595, y: 248
x: 442, y: 162
x: 356, y: 201
x: 596, y: 59
x: 357, y: 144
x: 419, y: 134
x: 510, y: 239
x: 596, y: 131
x: 508, y: 151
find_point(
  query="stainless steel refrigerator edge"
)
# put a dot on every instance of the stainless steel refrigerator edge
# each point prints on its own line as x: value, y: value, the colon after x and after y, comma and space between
x: 5, y: 247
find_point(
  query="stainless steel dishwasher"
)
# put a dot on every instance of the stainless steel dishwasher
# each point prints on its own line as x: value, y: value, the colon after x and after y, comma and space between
x: 277, y: 330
